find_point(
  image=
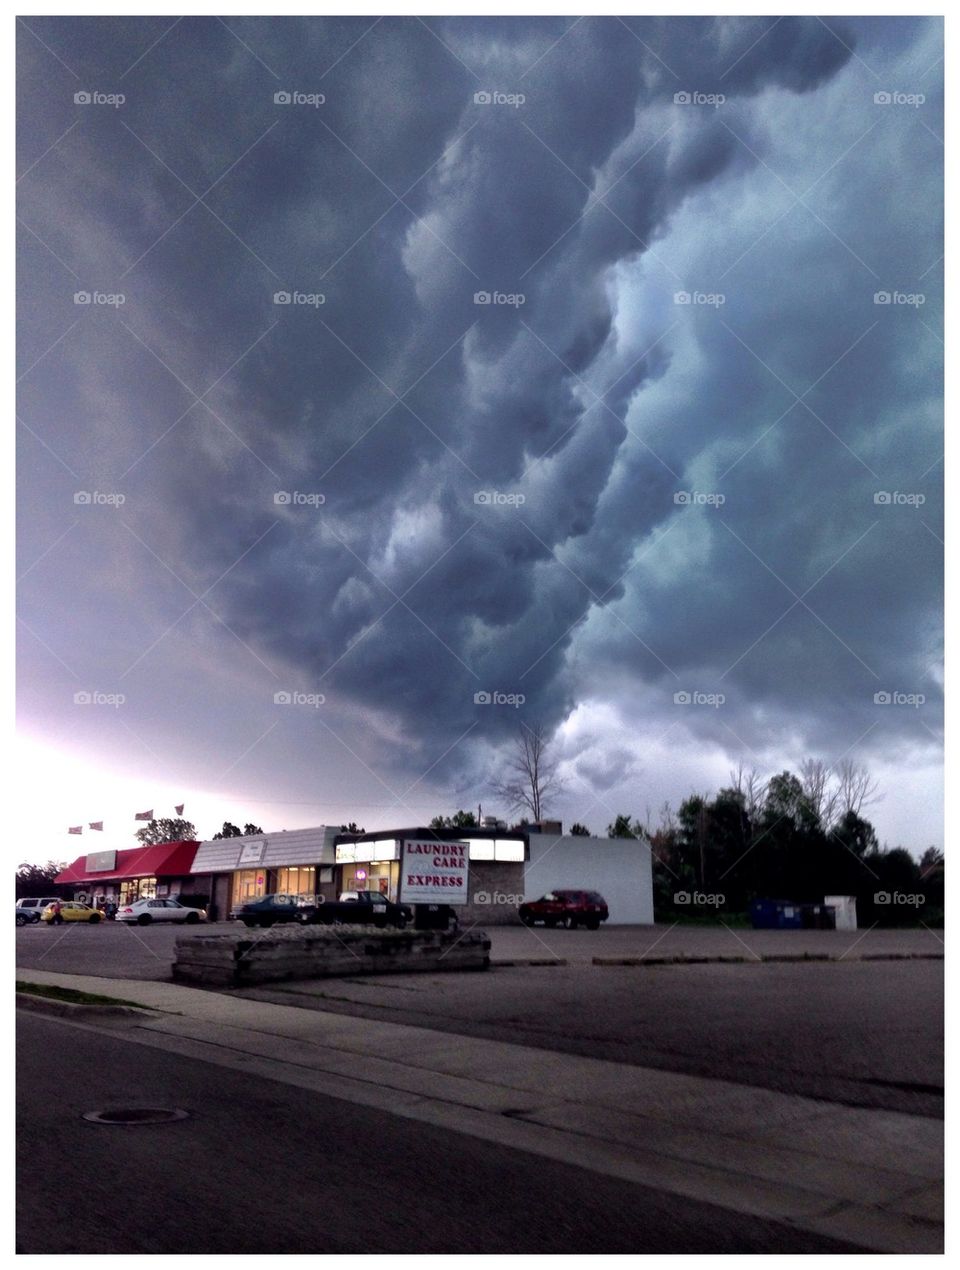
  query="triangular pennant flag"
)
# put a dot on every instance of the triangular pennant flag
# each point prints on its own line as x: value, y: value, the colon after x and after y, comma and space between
x: 144, y: 815
x: 75, y: 829
x: 179, y: 808
x: 96, y: 824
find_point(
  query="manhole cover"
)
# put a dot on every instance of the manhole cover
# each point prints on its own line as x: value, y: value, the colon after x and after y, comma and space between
x: 136, y: 1115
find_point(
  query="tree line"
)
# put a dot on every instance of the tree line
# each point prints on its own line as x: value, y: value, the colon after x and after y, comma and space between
x: 793, y: 837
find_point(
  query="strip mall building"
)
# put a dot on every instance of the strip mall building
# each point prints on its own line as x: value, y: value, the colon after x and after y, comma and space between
x: 505, y: 866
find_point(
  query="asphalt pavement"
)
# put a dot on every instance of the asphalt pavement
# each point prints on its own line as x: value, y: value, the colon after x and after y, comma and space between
x: 145, y: 952
x: 861, y: 1032
x: 263, y: 1167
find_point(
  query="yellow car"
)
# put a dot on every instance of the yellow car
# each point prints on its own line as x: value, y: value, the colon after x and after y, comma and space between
x: 71, y: 911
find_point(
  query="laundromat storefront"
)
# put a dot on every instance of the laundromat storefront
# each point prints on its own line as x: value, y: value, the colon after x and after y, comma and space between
x: 372, y: 862
x: 234, y: 871
x: 140, y: 873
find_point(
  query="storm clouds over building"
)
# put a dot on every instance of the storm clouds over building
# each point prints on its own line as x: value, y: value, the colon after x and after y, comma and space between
x: 459, y: 372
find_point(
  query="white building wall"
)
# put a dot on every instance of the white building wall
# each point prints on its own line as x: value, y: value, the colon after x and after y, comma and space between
x: 619, y: 868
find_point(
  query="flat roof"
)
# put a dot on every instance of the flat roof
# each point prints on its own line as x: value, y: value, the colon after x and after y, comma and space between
x: 440, y: 835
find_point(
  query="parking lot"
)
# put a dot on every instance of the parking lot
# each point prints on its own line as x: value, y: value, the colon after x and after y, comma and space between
x: 864, y: 1032
x: 145, y: 952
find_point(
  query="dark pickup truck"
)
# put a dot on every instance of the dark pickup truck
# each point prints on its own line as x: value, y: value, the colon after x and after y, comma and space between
x: 356, y: 908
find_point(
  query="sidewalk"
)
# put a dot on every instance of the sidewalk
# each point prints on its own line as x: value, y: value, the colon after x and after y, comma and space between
x: 869, y: 1177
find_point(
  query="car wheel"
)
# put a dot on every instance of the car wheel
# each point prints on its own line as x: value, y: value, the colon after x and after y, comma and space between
x: 93, y: 919
x: 22, y: 919
x: 144, y: 919
x: 526, y: 919
x: 401, y: 921
x: 191, y: 919
x: 570, y: 923
x: 249, y: 922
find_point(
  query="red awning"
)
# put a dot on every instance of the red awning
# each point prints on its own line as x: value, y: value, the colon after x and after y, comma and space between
x: 169, y: 859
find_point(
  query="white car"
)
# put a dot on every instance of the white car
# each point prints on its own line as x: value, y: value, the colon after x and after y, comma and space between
x: 143, y: 912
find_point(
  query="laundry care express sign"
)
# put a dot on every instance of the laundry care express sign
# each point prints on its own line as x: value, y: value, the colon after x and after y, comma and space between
x: 434, y: 872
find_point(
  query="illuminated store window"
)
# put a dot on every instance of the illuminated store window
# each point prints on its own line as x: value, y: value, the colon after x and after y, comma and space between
x: 297, y: 881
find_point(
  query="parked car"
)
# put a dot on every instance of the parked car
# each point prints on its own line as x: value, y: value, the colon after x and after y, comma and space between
x: 566, y: 908
x: 32, y: 908
x: 71, y: 911
x: 360, y: 908
x: 271, y: 909
x: 143, y: 912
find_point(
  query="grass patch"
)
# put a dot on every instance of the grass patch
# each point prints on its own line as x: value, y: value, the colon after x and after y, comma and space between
x: 54, y: 992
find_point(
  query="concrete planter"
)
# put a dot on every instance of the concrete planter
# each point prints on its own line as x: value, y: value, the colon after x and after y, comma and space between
x: 235, y: 960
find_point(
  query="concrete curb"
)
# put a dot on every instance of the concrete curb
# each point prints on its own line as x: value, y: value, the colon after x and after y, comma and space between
x: 679, y: 959
x: 528, y: 961
x: 78, y: 1009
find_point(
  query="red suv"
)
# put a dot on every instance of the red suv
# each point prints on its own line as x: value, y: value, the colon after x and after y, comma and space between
x: 566, y: 908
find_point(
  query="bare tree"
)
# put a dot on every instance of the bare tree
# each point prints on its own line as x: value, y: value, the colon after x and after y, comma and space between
x: 855, y: 788
x: 750, y: 784
x: 820, y: 793
x: 530, y: 776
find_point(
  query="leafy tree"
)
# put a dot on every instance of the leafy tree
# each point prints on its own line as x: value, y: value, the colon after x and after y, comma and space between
x: 460, y: 820
x: 623, y: 827
x: 164, y: 830
x: 233, y: 831
x: 353, y: 827
x: 579, y: 831
x: 37, y: 879
x: 530, y: 776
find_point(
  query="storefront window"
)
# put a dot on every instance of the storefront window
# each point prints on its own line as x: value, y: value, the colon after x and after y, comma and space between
x: 383, y: 877
x: 297, y: 881
x: 138, y: 889
x: 249, y: 884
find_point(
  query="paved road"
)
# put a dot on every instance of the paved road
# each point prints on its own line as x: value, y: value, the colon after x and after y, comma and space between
x: 264, y: 1167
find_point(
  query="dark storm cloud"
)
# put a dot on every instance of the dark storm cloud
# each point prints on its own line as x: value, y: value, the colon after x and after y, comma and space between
x: 401, y: 400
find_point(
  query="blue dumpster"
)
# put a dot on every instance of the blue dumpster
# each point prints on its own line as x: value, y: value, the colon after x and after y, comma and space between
x: 776, y: 915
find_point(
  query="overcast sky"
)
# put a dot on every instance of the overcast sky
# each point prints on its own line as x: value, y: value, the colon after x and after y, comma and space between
x: 608, y: 387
